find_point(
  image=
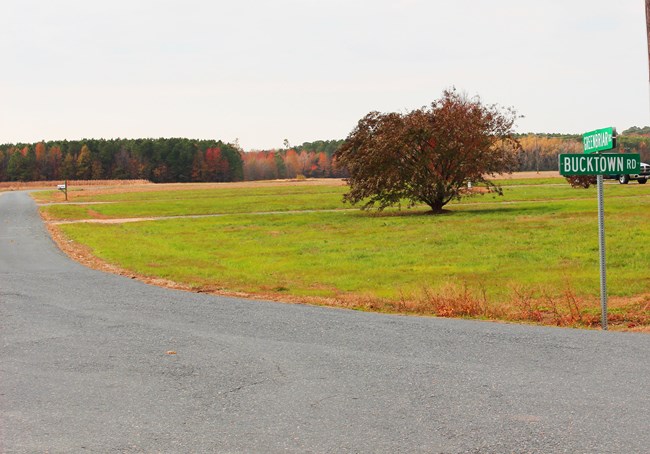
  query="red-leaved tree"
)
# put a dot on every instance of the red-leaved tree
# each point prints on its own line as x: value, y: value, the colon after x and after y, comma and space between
x: 428, y: 155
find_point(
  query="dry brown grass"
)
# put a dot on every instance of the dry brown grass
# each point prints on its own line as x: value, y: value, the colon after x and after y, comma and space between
x: 565, y: 310
x: 112, y: 186
x: 232, y: 185
x: 528, y: 175
x: 20, y: 185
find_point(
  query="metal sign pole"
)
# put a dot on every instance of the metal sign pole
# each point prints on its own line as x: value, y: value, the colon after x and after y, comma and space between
x: 601, y: 239
x: 593, y: 162
x: 647, y: 27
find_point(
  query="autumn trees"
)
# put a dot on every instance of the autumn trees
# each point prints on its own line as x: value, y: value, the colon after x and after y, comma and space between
x: 268, y: 165
x: 430, y: 154
x: 163, y: 160
x: 158, y: 160
x: 185, y: 160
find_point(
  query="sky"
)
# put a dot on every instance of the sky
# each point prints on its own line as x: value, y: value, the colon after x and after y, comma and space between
x: 259, y: 72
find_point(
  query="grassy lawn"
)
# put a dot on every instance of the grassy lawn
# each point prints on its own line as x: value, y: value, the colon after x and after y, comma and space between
x: 247, y: 200
x: 538, y: 242
x: 198, y: 202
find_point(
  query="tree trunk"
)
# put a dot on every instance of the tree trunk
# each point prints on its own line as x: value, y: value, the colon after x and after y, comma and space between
x: 436, y: 204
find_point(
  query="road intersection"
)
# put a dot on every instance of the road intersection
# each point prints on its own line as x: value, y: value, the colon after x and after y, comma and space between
x: 94, y: 362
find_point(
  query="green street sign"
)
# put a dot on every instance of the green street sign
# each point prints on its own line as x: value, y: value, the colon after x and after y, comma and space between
x: 600, y: 164
x: 599, y: 140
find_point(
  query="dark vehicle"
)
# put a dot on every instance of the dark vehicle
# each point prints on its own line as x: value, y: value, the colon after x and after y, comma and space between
x: 642, y: 177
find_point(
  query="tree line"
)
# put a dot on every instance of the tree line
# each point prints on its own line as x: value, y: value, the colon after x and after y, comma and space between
x: 186, y: 160
x: 161, y: 161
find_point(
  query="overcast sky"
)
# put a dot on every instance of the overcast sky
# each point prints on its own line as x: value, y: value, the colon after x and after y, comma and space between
x: 303, y: 70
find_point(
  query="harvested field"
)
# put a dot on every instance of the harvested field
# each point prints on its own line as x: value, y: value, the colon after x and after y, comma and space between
x: 20, y: 185
x: 111, y: 186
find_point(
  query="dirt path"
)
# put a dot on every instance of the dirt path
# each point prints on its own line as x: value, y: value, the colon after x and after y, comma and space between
x: 188, y: 216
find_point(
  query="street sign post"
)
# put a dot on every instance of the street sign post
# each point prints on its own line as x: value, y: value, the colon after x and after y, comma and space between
x: 600, y: 164
x: 599, y: 140
x: 592, y: 162
x: 601, y: 248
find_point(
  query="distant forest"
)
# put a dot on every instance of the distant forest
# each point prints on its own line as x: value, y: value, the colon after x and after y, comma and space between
x: 161, y: 161
x: 186, y: 160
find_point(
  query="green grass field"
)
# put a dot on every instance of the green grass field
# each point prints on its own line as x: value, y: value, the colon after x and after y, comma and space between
x: 540, y: 239
x: 200, y: 202
x: 248, y: 200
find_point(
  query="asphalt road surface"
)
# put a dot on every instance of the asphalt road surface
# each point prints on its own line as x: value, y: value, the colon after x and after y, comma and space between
x: 84, y: 368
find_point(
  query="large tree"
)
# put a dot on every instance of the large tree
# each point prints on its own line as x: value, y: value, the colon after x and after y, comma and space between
x: 430, y: 154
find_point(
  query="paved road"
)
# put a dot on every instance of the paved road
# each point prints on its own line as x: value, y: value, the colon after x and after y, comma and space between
x: 83, y: 368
